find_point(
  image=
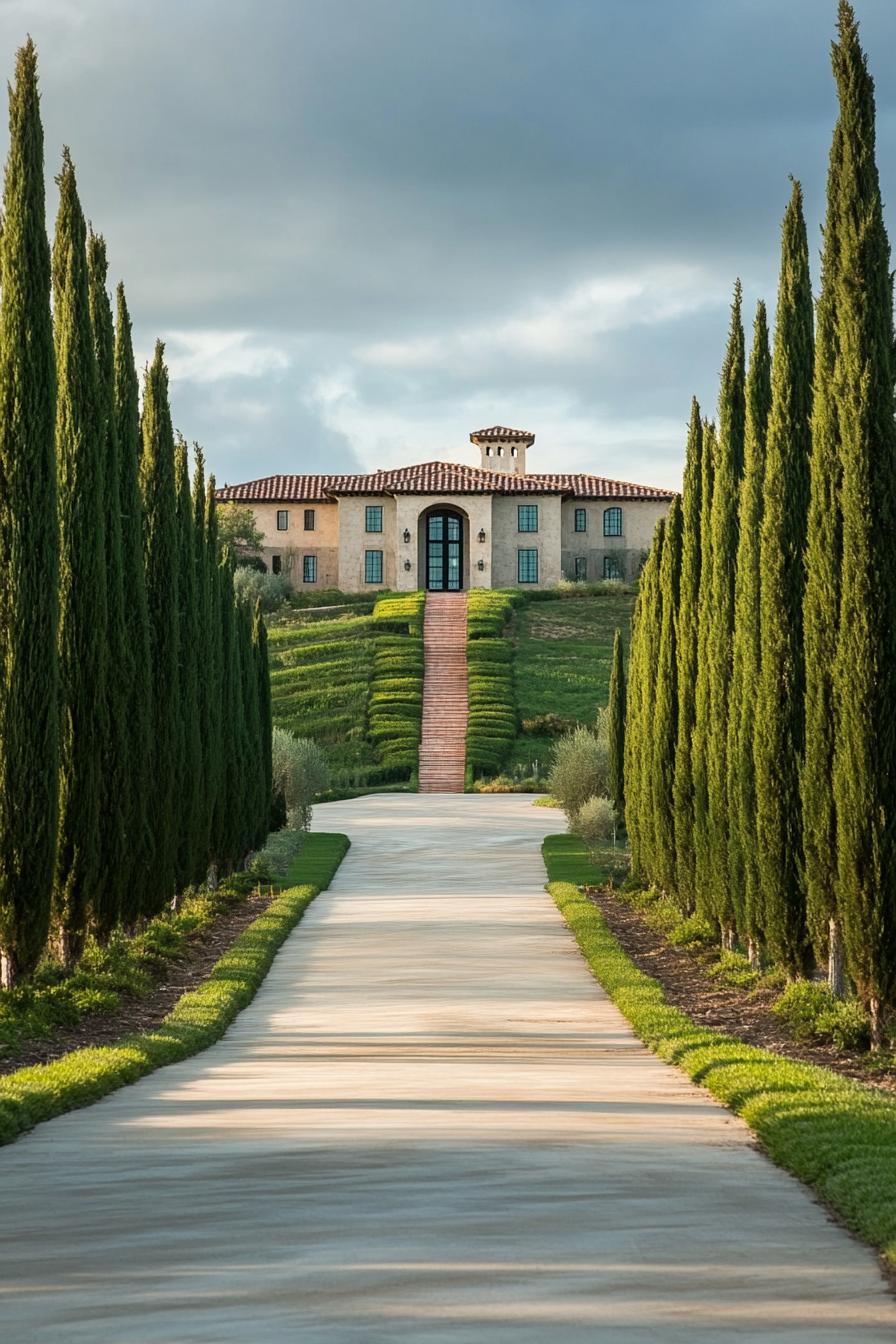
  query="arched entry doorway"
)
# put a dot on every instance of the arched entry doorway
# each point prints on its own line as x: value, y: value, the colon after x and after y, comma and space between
x: 444, y: 551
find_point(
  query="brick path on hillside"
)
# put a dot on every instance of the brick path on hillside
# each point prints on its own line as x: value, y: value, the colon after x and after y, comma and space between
x: 443, y: 745
x: 430, y: 1127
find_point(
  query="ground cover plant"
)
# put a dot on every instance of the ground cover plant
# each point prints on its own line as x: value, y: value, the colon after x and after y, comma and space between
x: 199, y: 1018
x: 834, y: 1134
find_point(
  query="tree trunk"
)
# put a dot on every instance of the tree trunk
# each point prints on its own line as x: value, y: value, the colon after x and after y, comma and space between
x: 836, y: 976
x: 753, y: 954
x: 68, y: 949
x: 211, y: 879
x: 9, y: 974
x: 876, y: 1014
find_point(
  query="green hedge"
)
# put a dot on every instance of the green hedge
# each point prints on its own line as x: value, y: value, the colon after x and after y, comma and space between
x: 836, y: 1135
x: 395, y: 699
x: 493, y: 719
x: 197, y: 1020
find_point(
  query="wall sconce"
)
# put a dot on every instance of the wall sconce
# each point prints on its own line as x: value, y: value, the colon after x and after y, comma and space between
x: 482, y: 534
x: 480, y: 564
x: 407, y: 565
x: 407, y: 536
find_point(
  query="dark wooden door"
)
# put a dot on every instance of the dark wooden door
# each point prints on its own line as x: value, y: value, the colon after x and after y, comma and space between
x: 444, y: 552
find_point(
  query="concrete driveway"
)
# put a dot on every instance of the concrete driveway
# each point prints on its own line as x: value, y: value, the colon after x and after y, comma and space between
x: 431, y: 1125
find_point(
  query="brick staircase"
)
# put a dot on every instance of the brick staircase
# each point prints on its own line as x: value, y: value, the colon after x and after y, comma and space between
x: 444, y: 741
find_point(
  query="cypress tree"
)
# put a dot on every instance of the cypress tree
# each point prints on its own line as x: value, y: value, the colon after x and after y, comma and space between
x: 745, y: 887
x: 80, y: 454
x: 821, y: 607
x: 263, y: 677
x: 135, y: 673
x: 253, y: 761
x: 780, y: 709
x: 865, y: 662
x: 215, y: 669
x: 686, y: 651
x: 232, y: 716
x: 29, y: 545
x: 205, y: 653
x: 664, y: 721
x: 616, y: 727
x: 631, y: 758
x: 116, y: 853
x: 703, y: 686
x: 190, y: 782
x: 639, y: 797
x: 725, y: 502
x: 162, y: 560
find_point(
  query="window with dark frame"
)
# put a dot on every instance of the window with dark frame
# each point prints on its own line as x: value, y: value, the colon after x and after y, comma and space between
x: 581, y: 520
x: 309, y: 569
x: 527, y: 517
x: 612, y: 567
x: 276, y: 564
x: 581, y: 567
x: 373, y: 566
x: 282, y: 520
x: 309, y: 520
x: 373, y: 518
x: 527, y: 565
x: 613, y: 522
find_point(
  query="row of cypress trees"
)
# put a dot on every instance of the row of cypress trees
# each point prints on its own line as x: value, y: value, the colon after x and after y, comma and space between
x: 760, y: 757
x: 134, y: 700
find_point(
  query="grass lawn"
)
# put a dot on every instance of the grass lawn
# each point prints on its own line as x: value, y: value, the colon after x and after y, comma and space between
x: 834, y: 1134
x: 564, y: 649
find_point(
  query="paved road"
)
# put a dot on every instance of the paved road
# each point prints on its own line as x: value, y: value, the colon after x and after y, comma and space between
x: 431, y: 1126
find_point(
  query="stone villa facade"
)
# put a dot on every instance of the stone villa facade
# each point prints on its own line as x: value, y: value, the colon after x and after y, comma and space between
x: 448, y: 527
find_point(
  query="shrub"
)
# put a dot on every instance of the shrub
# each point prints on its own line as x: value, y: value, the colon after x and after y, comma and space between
x: 300, y: 773
x: 694, y: 931
x: 733, y: 968
x: 595, y: 824
x: 250, y: 586
x: 810, y: 1010
x: 579, y: 770
x: 549, y: 725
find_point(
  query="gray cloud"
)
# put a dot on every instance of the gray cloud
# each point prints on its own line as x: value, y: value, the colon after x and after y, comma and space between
x: 292, y: 190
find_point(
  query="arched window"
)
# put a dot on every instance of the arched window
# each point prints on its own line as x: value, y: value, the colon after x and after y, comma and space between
x: 613, y: 522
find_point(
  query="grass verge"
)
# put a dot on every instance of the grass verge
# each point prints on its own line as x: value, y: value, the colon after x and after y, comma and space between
x: 837, y: 1136
x: 197, y: 1020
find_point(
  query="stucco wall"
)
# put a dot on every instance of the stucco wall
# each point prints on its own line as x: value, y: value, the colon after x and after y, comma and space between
x: 507, y: 539
x: 639, y: 519
x: 295, y: 543
x: 354, y: 540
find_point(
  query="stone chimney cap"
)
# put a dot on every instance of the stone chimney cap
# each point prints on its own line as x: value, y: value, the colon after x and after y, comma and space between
x: 500, y: 434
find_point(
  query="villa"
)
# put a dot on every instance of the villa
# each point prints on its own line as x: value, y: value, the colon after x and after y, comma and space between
x: 447, y: 527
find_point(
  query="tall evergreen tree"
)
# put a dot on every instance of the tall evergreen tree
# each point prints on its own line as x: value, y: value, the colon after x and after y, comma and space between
x: 263, y: 675
x: 116, y: 853
x: 215, y: 675
x: 232, y: 715
x: 81, y: 458
x: 664, y: 721
x: 686, y: 649
x: 616, y: 727
x: 703, y: 686
x: 780, y: 708
x: 29, y: 546
x: 191, y: 806
x: 646, y: 636
x: 135, y: 671
x: 631, y: 757
x: 865, y: 663
x: 253, y: 754
x: 206, y: 653
x: 821, y: 607
x: 742, y: 853
x: 162, y: 560
x: 725, y: 501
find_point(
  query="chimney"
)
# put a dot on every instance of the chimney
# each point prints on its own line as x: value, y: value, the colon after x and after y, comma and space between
x: 503, y: 449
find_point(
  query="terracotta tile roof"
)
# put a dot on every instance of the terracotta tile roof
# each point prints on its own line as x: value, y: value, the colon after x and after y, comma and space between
x: 434, y: 478
x: 501, y: 434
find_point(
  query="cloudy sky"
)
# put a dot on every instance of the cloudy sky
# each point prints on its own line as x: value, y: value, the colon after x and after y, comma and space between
x: 367, y: 227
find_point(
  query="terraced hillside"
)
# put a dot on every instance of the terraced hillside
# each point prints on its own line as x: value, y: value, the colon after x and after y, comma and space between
x: 349, y: 682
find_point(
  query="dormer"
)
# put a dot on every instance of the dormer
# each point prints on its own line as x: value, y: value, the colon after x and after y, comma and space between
x: 503, y: 449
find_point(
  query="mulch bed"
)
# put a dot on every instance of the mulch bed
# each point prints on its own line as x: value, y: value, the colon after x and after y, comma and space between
x: 740, y: 1013
x: 134, y: 1015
